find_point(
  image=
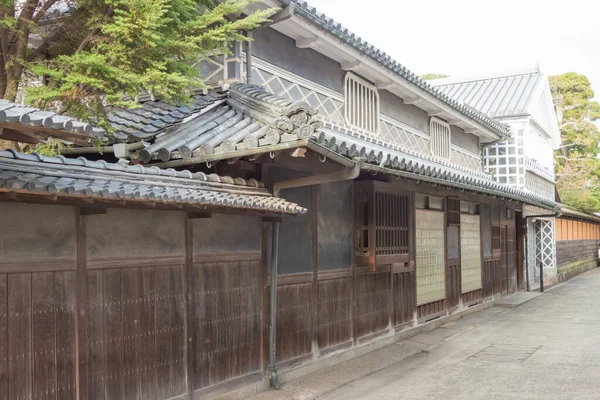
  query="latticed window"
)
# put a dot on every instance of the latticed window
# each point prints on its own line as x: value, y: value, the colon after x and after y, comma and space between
x: 440, y: 138
x: 544, y: 243
x: 382, y: 224
x: 361, y: 103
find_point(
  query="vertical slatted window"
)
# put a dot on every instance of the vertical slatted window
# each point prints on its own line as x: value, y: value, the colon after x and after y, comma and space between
x: 470, y: 252
x: 391, y: 224
x: 362, y: 104
x: 439, y: 144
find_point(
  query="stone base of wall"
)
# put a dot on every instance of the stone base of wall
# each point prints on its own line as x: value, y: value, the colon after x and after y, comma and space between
x: 568, y: 271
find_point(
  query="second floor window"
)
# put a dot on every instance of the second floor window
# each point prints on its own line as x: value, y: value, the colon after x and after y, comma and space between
x: 361, y: 104
x: 439, y: 143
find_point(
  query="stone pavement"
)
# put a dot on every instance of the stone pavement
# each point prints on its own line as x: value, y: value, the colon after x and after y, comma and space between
x: 547, y: 348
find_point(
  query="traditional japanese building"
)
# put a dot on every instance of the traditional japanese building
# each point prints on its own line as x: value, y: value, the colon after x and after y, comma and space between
x: 523, y: 101
x: 320, y: 202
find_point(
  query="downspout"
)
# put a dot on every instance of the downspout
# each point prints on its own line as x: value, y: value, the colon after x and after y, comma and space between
x: 555, y: 215
x: 248, y: 46
x: 337, y: 176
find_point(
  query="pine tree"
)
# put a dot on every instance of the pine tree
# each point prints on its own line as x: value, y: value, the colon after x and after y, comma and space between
x: 91, y: 53
x: 577, y: 165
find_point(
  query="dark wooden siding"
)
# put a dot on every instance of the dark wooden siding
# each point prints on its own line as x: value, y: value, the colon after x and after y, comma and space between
x: 294, y: 319
x: 335, y: 312
x: 568, y: 251
x: 404, y: 297
x: 225, y: 320
x: 37, y: 301
x: 372, y: 302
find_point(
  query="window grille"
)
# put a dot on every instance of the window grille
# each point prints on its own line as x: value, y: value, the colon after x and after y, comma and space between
x: 381, y: 223
x: 439, y: 144
x: 361, y: 104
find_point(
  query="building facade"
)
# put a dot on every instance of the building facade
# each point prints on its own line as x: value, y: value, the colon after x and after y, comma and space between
x: 523, y: 101
x: 321, y: 200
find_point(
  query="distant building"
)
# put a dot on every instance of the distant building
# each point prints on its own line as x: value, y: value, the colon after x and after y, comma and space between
x: 523, y: 101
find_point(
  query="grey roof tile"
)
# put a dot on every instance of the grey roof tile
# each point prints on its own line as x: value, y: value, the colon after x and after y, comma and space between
x: 497, y: 96
x: 56, y: 125
x: 33, y: 173
x: 394, y: 161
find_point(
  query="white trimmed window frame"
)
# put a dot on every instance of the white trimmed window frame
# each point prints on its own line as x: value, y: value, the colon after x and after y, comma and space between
x: 361, y: 104
x: 439, y: 142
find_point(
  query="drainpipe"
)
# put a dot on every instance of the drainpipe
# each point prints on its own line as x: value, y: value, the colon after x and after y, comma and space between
x: 555, y: 215
x: 337, y: 176
x: 249, y: 35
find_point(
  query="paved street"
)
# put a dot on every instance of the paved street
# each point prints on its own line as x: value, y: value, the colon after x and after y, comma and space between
x: 548, y: 348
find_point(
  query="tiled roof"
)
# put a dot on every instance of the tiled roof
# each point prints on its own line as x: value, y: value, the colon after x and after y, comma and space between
x: 154, y: 117
x: 248, y: 117
x: 336, y: 29
x: 386, y: 160
x: 39, y: 124
x: 82, y: 178
x: 496, y: 96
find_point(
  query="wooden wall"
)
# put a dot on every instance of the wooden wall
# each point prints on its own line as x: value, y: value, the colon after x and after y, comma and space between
x: 152, y: 305
x: 37, y: 302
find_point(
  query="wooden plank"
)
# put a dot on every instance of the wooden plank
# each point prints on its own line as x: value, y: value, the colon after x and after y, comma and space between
x: 163, y: 337
x: 96, y: 372
x: 147, y: 332
x: 131, y: 316
x: 113, y: 328
x: 189, y: 300
x: 64, y: 298
x: 82, y: 313
x: 19, y: 336
x: 37, y: 264
x: 4, y: 327
x: 43, y: 335
x: 177, y: 331
x: 314, y: 304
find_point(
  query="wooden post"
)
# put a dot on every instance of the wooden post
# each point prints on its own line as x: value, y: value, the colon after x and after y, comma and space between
x: 80, y: 308
x: 189, y: 299
x: 356, y: 204
x: 315, y: 269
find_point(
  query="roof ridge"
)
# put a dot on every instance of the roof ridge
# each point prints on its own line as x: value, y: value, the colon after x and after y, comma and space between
x: 458, y: 80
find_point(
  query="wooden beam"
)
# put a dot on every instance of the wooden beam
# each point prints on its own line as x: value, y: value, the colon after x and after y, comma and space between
x: 92, y: 210
x: 437, y: 113
x: 81, y: 313
x: 385, y: 85
x: 198, y: 215
x: 307, y: 43
x: 412, y: 100
x: 351, y: 65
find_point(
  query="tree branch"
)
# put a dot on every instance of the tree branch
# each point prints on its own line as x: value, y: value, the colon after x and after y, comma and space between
x: 40, y: 14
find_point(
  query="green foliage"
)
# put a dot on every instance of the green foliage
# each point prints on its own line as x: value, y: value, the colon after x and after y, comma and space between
x: 110, y: 51
x: 50, y: 147
x: 429, y: 77
x: 577, y: 165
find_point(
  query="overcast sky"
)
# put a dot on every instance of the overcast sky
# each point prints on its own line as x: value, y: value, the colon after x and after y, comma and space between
x: 473, y: 37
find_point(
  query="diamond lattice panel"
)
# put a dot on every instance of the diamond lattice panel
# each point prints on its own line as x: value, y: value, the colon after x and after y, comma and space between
x: 470, y: 252
x: 470, y: 162
x: 403, y: 138
x: 430, y: 256
x: 279, y: 85
x: 544, y: 243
